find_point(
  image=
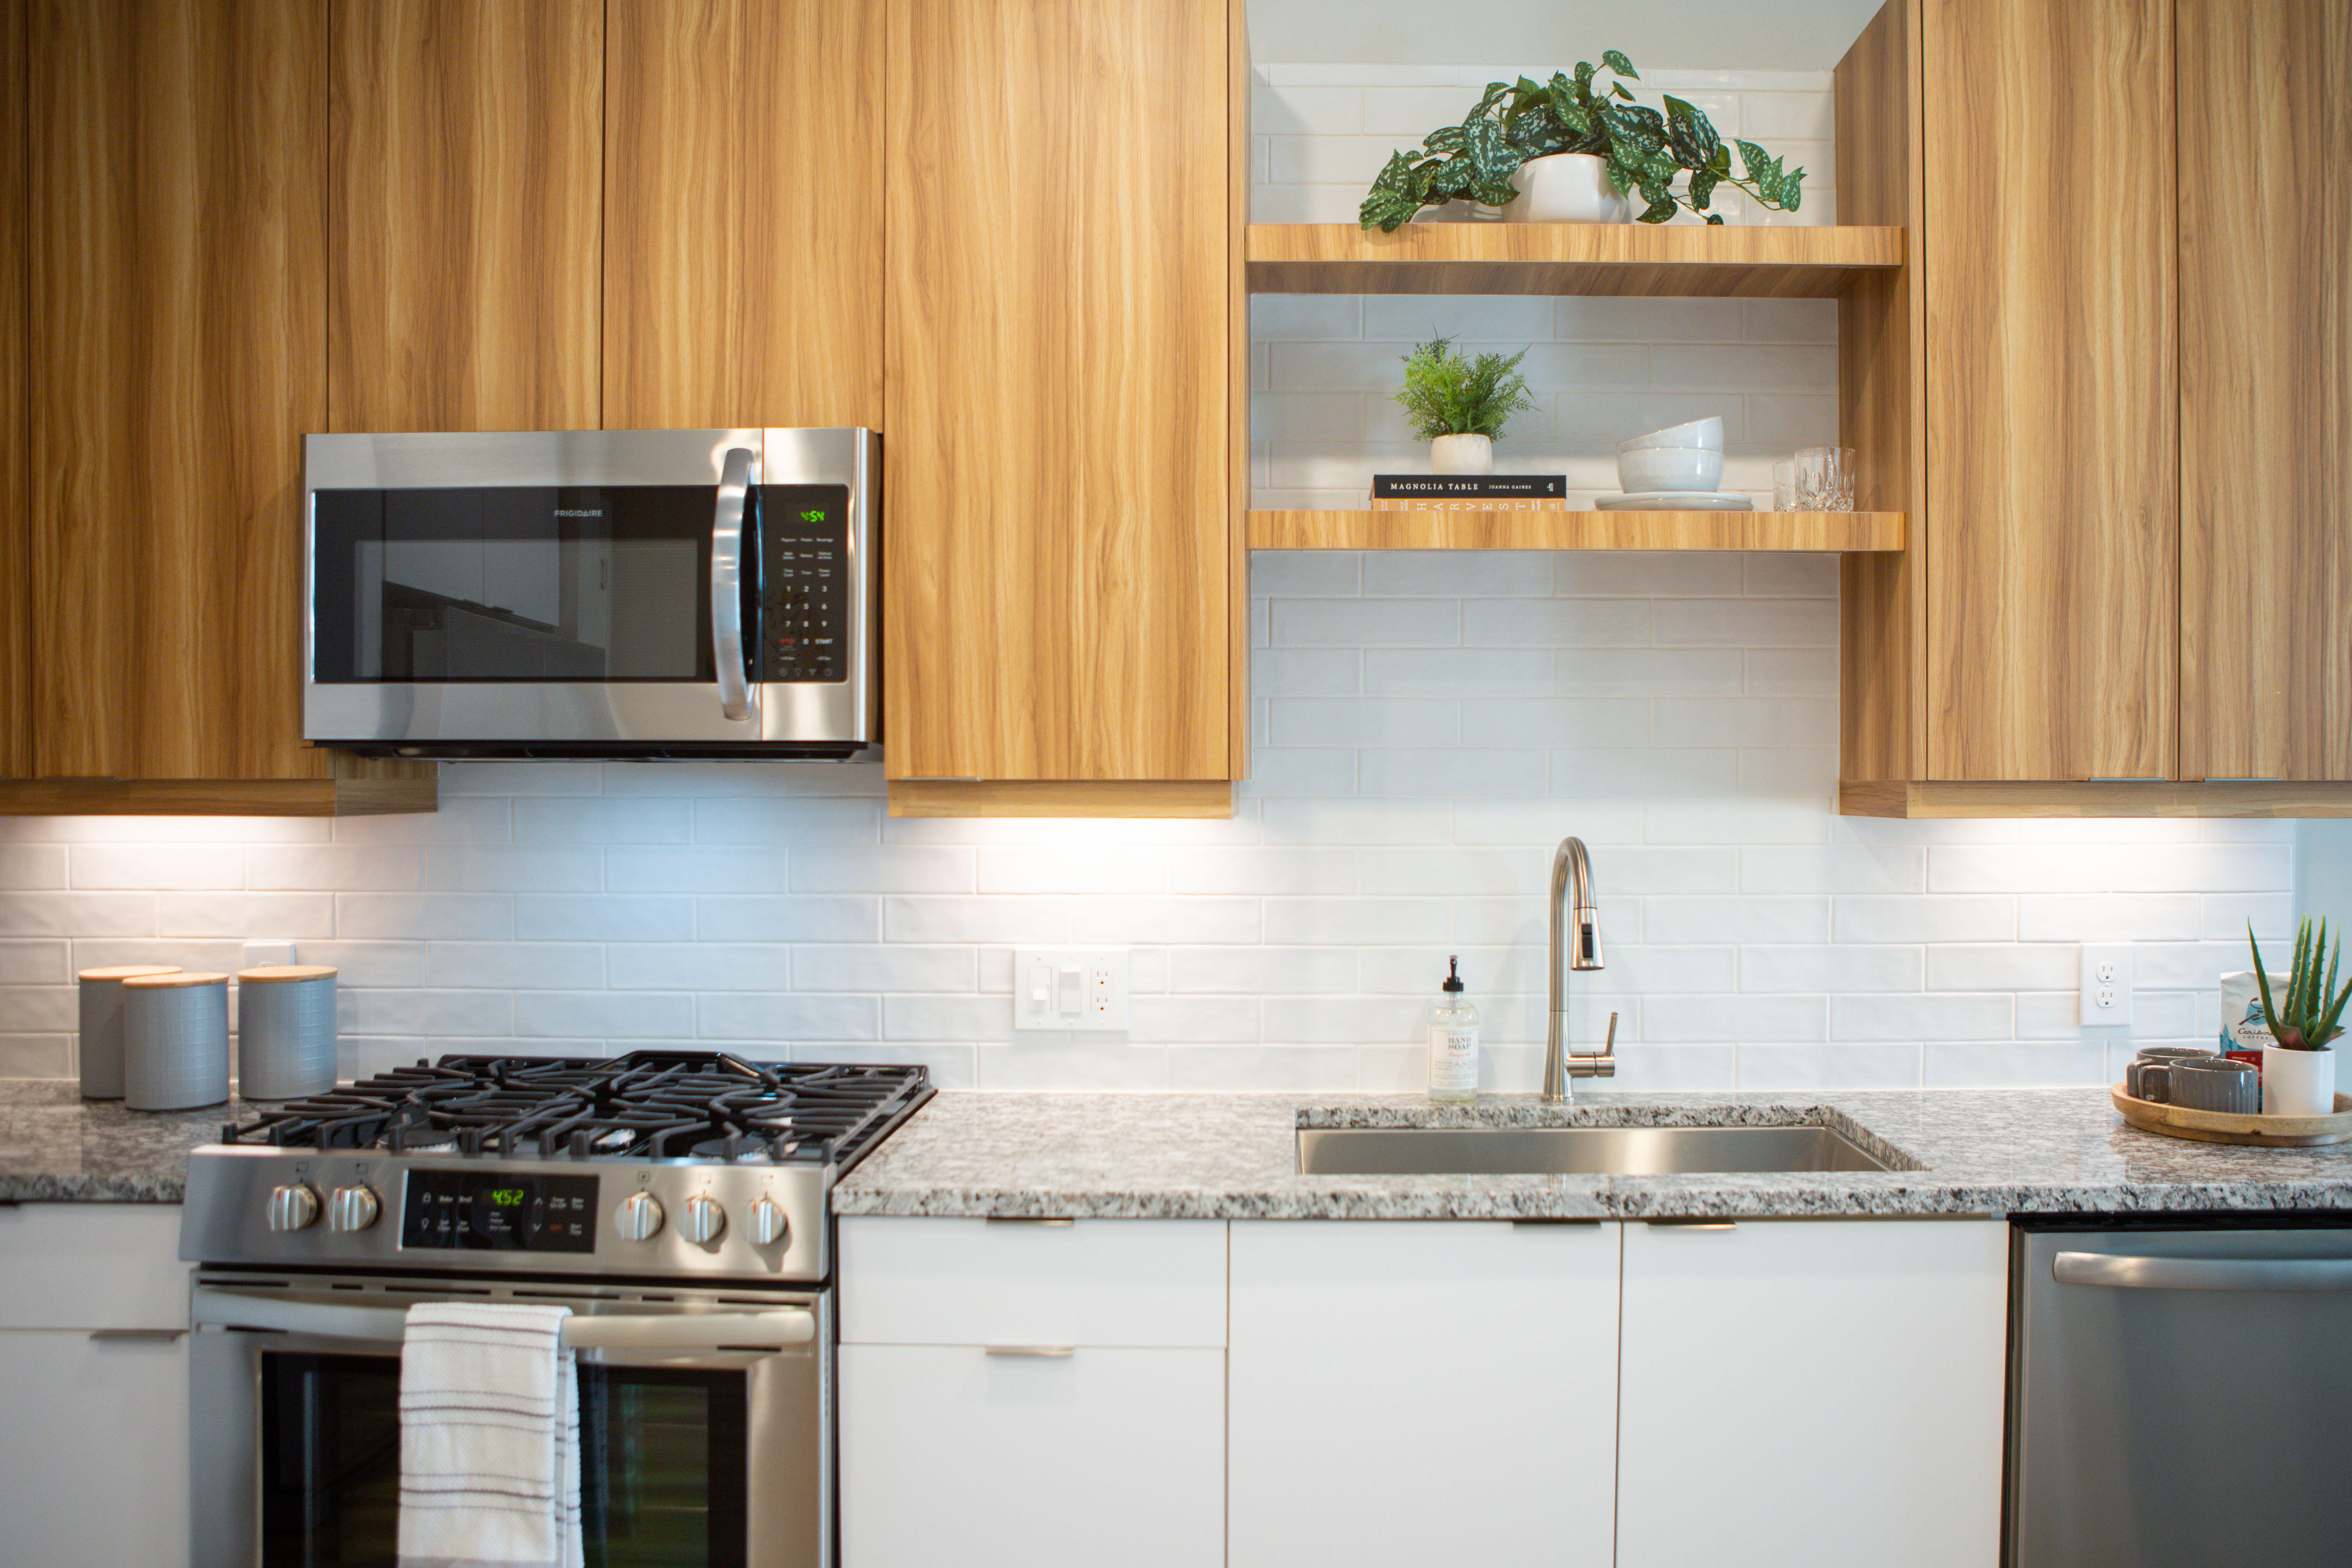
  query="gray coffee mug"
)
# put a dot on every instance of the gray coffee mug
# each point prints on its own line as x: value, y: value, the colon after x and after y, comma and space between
x: 2149, y: 1077
x: 2219, y: 1084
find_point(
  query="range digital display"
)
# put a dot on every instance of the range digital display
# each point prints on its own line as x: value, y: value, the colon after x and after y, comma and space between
x: 482, y: 1211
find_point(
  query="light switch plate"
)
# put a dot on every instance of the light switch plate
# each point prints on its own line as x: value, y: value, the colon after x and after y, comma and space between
x: 261, y: 954
x: 1070, y: 988
x: 2106, y: 992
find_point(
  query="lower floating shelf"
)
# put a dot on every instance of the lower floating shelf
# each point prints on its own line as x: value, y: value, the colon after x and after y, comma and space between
x: 1793, y: 531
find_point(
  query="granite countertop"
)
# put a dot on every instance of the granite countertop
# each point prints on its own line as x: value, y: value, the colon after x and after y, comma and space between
x: 57, y: 1147
x: 1232, y: 1156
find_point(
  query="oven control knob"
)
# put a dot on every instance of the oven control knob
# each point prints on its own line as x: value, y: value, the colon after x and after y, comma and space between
x: 638, y: 1218
x: 767, y: 1221
x: 294, y: 1206
x: 353, y: 1208
x: 703, y: 1221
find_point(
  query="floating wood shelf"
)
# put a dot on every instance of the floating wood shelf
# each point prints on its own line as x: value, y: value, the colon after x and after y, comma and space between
x: 1567, y: 258
x: 1794, y: 530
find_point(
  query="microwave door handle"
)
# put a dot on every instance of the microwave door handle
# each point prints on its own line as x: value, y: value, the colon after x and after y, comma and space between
x: 705, y: 1332
x: 737, y: 473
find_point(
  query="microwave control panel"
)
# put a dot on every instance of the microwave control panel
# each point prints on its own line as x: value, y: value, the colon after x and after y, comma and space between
x: 807, y: 582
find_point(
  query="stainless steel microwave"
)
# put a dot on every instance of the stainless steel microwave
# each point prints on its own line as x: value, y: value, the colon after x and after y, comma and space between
x: 591, y: 593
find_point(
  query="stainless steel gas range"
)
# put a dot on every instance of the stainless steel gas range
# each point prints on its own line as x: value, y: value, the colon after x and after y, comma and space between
x: 675, y: 1201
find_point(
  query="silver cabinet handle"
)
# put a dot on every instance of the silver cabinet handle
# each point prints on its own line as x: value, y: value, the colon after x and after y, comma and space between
x: 1028, y: 1219
x: 1692, y: 1224
x: 148, y: 1336
x: 736, y: 475
x: 1033, y: 1352
x: 2123, y: 1271
x: 622, y: 1332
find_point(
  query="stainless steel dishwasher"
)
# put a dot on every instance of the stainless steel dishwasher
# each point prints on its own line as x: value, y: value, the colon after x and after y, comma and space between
x: 2182, y: 1396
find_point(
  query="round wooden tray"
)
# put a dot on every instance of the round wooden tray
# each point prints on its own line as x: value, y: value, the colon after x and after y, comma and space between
x: 2228, y: 1127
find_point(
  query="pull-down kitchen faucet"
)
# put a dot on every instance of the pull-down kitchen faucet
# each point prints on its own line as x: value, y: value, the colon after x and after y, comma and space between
x: 1571, y: 900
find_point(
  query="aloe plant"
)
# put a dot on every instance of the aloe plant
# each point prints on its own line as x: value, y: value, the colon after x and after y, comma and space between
x: 2314, y: 1008
x: 1644, y: 150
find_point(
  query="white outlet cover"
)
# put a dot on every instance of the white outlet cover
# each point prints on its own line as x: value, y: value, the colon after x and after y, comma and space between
x: 261, y: 954
x: 2106, y: 985
x: 1071, y: 988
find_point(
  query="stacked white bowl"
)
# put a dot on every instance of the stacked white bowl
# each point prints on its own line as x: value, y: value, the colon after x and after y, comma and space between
x: 1682, y: 458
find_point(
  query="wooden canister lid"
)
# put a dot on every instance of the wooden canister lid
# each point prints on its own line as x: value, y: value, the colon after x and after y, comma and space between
x: 175, y: 978
x: 128, y: 971
x: 273, y: 973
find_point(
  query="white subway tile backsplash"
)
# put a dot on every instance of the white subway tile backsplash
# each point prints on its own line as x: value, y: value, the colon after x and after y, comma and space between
x: 32, y: 866
x: 77, y: 914
x: 159, y: 865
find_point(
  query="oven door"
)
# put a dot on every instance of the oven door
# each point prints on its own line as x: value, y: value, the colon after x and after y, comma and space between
x: 705, y: 1424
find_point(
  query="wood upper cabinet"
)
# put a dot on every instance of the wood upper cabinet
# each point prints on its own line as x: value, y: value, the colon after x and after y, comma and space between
x: 16, y: 521
x: 742, y: 214
x: 463, y: 267
x: 2265, y: 158
x: 1061, y: 297
x: 2053, y: 569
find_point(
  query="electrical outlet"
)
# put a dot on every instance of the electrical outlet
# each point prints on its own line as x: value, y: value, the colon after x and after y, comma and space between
x: 1070, y: 988
x: 2107, y: 983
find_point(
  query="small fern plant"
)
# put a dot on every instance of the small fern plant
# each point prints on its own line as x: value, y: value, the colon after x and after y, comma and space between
x: 1449, y: 393
x: 2313, y: 1012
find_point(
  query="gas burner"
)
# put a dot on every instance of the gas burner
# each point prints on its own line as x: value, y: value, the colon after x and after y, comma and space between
x: 648, y: 1105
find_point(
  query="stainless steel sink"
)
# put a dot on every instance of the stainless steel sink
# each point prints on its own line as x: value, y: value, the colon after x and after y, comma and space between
x: 1574, y: 1151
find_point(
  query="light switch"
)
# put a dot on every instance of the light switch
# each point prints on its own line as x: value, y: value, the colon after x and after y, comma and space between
x: 1078, y: 989
x: 261, y: 954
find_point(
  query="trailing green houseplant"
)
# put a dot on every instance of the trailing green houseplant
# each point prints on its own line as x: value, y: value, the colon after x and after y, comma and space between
x: 1641, y: 150
x: 1459, y: 405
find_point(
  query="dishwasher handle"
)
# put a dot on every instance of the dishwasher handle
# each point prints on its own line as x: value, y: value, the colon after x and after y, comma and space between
x: 708, y: 1331
x: 2126, y: 1271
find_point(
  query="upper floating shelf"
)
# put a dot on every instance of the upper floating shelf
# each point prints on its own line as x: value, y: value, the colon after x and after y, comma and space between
x: 1600, y: 259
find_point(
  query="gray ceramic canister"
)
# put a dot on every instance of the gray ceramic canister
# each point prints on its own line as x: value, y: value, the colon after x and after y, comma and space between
x: 285, y: 1031
x: 98, y: 1047
x: 175, y: 1041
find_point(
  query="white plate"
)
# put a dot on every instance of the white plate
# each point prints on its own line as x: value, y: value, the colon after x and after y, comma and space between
x: 1676, y: 500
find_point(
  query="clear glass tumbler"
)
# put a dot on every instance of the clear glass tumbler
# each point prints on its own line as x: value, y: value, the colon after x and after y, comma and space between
x: 1784, y: 487
x: 1825, y: 478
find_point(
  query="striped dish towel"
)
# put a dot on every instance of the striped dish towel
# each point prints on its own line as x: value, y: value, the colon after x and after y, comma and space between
x: 489, y: 1438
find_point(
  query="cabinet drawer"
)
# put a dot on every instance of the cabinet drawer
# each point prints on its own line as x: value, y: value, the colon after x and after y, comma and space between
x: 1102, y: 1457
x: 983, y: 1282
x: 92, y: 1266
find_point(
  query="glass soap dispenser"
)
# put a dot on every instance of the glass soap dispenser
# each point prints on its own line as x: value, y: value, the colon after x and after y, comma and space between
x: 1453, y: 1042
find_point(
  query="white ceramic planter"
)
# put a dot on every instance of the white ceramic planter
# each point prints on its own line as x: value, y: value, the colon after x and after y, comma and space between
x: 2298, y: 1083
x: 1567, y: 187
x: 1462, y: 455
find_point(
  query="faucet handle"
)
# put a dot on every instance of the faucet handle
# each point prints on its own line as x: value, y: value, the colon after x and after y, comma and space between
x: 1609, y: 1046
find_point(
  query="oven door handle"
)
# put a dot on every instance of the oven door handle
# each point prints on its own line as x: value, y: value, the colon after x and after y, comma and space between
x: 708, y: 1331
x: 738, y: 471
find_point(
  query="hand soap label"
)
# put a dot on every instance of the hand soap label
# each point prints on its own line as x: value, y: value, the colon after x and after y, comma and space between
x: 1453, y: 1059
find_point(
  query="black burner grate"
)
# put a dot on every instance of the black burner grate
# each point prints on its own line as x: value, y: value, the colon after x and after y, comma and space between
x: 649, y: 1105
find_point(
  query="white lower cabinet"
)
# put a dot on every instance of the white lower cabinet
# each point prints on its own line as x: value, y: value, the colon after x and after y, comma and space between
x: 1422, y: 1393
x: 94, y: 1383
x: 1813, y: 1393
x: 953, y: 1455
x: 1021, y: 1395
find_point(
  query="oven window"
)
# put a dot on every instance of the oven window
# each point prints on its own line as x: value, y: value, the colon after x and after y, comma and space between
x: 517, y: 583
x: 663, y: 1464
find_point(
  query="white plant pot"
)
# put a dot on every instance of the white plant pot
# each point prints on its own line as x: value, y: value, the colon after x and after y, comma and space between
x: 2298, y: 1083
x: 1567, y: 187
x: 1462, y: 455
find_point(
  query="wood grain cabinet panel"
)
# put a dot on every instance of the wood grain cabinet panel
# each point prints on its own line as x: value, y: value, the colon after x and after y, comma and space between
x: 465, y: 202
x: 178, y: 162
x: 1058, y: 313
x: 16, y: 521
x: 2053, y: 604
x: 742, y: 214
x: 2266, y: 389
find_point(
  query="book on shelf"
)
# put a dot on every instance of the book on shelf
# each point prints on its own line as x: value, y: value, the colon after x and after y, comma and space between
x: 1469, y: 492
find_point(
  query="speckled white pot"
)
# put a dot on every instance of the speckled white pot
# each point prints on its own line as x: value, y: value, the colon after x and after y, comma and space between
x: 2298, y: 1083
x: 1462, y: 455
